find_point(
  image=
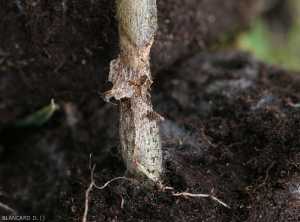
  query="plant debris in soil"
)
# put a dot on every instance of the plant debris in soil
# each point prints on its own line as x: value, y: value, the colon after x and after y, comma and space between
x: 231, y: 130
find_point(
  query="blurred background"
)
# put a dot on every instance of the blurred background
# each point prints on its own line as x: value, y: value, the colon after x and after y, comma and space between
x: 274, y: 34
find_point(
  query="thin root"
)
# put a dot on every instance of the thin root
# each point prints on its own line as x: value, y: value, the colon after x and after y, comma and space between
x: 117, y: 178
x: 7, y: 208
x: 92, y: 184
x: 197, y: 195
x: 267, y: 175
x: 162, y: 187
x: 86, y: 207
x: 151, y: 177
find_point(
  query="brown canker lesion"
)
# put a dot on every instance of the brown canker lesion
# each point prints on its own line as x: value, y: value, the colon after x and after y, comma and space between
x: 131, y: 77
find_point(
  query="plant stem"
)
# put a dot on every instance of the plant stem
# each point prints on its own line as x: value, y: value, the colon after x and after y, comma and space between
x: 131, y: 78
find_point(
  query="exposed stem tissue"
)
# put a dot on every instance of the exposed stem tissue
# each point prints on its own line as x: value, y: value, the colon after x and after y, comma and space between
x: 131, y: 78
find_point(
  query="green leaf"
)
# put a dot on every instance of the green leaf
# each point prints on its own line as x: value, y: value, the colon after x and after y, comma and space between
x: 37, y: 118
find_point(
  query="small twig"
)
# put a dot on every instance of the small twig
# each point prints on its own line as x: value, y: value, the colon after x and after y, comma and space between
x: 7, y: 208
x: 197, y: 195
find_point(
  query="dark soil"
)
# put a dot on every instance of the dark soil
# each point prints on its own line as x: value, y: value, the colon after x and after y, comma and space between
x: 232, y: 124
x: 62, y: 48
x: 231, y: 129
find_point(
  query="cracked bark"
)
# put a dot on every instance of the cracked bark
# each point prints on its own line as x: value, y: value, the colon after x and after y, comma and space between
x: 131, y: 78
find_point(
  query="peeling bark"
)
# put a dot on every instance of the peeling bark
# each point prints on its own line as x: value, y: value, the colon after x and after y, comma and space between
x: 131, y: 78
